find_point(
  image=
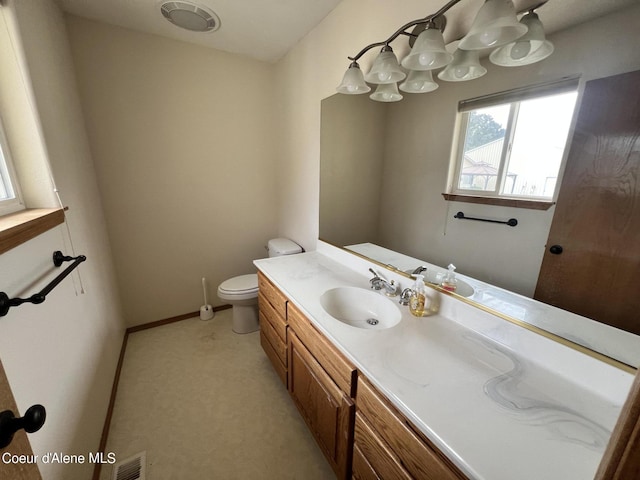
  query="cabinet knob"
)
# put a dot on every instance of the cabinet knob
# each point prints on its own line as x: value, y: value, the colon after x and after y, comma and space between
x: 32, y: 421
x: 555, y: 249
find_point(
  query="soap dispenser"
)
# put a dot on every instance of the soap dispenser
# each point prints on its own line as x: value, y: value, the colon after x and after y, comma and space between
x: 418, y: 300
x: 449, y: 281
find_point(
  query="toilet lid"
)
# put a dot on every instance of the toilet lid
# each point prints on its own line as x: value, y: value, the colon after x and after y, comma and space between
x: 240, y: 284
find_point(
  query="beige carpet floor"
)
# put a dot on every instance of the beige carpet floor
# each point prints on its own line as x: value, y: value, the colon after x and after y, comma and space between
x: 205, y: 403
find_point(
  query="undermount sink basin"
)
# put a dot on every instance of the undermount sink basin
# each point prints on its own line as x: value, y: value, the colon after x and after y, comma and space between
x: 360, y: 308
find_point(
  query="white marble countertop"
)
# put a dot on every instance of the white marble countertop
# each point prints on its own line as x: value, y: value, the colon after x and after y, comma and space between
x: 500, y: 401
x: 612, y: 342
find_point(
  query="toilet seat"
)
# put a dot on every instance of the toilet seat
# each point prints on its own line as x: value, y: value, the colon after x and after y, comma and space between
x: 242, y: 287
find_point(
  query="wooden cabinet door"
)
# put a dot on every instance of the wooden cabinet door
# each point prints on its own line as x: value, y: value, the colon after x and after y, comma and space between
x: 326, y: 409
x: 20, y: 444
x: 621, y: 459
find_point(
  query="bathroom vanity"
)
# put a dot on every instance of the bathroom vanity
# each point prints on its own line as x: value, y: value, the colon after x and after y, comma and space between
x: 458, y: 394
x: 319, y: 378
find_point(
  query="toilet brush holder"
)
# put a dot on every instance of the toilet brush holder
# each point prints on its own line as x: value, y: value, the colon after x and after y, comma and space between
x: 206, y: 311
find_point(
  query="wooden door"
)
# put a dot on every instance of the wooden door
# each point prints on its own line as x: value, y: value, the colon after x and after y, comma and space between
x: 597, y: 217
x: 20, y: 444
x: 325, y: 408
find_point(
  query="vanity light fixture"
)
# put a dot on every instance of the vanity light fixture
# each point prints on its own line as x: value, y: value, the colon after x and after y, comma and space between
x: 530, y: 48
x: 496, y: 26
x: 419, y: 81
x: 465, y: 66
x: 353, y: 81
x: 428, y: 52
x: 386, y: 92
x: 385, y: 68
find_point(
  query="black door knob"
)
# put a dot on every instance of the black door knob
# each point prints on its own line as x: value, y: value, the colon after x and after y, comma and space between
x: 32, y: 421
x: 555, y: 249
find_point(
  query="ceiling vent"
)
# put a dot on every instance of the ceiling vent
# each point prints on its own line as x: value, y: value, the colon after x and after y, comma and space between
x: 190, y: 16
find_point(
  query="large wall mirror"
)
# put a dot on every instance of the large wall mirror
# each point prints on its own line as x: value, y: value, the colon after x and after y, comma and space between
x: 384, y: 168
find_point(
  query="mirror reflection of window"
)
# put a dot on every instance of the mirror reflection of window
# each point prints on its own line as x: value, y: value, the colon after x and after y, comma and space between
x: 513, y: 145
x: 484, y: 142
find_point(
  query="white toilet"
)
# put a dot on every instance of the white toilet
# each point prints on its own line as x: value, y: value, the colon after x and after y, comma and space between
x: 242, y: 291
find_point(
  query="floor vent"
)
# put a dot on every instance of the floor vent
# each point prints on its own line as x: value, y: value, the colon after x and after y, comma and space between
x: 133, y: 468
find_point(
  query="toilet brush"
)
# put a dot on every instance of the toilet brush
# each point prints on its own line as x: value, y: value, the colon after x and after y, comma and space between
x: 206, y: 311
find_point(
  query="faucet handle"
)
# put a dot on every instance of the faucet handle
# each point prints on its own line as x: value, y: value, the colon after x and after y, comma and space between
x: 405, y: 296
x: 391, y: 289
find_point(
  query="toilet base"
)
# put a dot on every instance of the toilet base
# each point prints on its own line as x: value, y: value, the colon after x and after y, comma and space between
x: 245, y: 318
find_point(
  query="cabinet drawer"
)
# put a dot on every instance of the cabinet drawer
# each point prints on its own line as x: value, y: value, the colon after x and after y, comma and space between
x: 377, y: 460
x: 274, y: 339
x: 271, y: 293
x: 278, y: 323
x: 273, y: 357
x: 417, y: 457
x: 341, y: 371
x: 361, y: 468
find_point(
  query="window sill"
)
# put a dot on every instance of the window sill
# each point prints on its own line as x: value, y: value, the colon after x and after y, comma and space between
x: 20, y: 227
x: 502, y: 202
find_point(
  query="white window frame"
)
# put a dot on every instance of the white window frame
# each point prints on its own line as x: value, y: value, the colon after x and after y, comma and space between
x: 9, y: 177
x: 513, y: 97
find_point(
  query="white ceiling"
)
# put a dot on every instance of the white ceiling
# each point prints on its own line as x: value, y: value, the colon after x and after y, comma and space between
x: 268, y: 29
x: 262, y: 29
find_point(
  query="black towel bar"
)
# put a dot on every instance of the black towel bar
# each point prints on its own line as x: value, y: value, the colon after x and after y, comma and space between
x: 58, y: 259
x: 512, y: 222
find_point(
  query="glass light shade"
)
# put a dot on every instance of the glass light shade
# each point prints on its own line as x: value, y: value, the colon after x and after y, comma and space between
x: 353, y: 81
x: 495, y: 25
x: 385, y: 68
x: 386, y: 92
x: 419, y: 81
x: 465, y: 66
x: 428, y: 52
x: 530, y: 48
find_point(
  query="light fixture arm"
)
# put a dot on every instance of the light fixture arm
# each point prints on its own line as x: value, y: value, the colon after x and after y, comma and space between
x: 403, y: 30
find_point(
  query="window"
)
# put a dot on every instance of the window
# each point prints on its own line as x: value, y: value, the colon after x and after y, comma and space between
x: 512, y: 144
x: 10, y: 200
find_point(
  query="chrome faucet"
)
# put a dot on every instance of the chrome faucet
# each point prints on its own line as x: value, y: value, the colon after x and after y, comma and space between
x: 419, y: 270
x: 378, y: 283
x: 405, y: 296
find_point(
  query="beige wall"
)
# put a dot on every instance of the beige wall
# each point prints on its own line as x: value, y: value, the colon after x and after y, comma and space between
x: 183, y: 138
x: 353, y: 148
x: 62, y: 353
x: 310, y: 72
x: 422, y: 149
x: 504, y: 256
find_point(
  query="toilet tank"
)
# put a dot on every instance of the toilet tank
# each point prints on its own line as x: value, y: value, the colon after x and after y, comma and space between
x: 282, y: 246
